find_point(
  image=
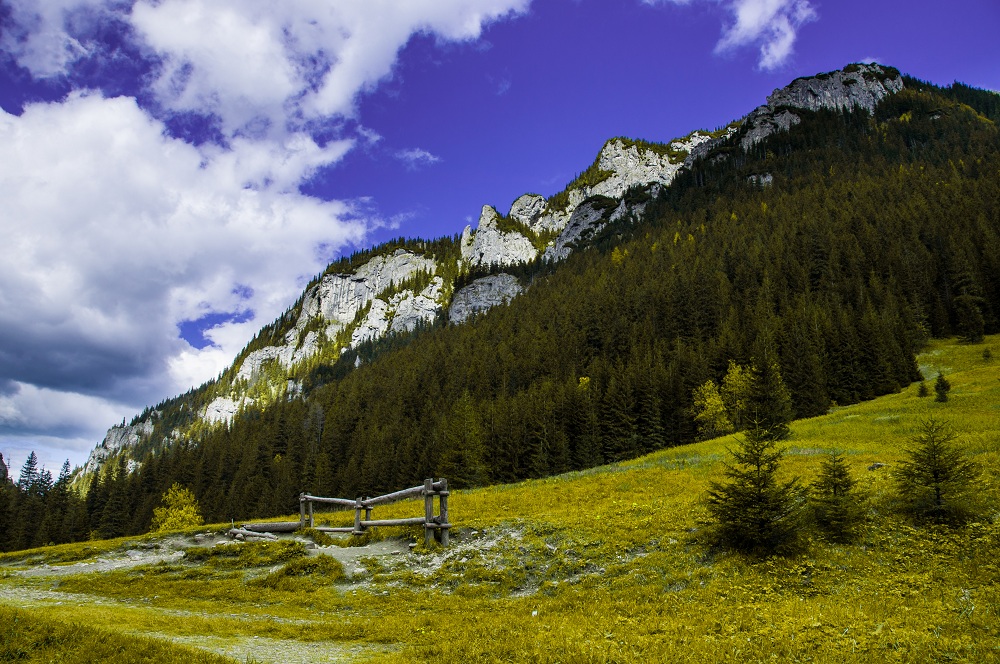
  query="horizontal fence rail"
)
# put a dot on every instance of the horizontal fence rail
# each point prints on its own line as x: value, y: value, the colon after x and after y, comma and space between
x: 435, y: 526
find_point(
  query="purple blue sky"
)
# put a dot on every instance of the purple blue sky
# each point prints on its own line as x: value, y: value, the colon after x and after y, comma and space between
x: 173, y: 172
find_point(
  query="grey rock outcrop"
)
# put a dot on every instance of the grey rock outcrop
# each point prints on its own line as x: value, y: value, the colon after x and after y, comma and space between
x: 337, y: 299
x: 117, y: 439
x: 488, y: 245
x: 856, y: 86
x: 527, y: 209
x: 223, y: 409
x: 629, y: 164
x: 412, y: 309
x: 586, y: 220
x: 483, y: 294
x: 375, y: 323
x: 400, y: 313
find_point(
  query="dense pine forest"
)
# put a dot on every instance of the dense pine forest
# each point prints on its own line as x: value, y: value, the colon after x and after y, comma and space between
x: 814, y: 286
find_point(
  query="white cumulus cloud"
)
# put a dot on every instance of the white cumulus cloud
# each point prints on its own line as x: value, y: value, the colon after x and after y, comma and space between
x: 771, y: 25
x: 113, y: 233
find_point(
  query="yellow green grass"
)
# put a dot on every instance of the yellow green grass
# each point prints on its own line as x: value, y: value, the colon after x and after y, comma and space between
x: 604, y: 565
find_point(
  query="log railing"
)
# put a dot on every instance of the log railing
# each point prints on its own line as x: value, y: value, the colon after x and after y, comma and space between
x: 433, y: 525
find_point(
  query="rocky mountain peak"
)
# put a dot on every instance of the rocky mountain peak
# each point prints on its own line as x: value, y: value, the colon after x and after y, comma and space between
x: 856, y: 86
x: 490, y: 245
x: 527, y: 209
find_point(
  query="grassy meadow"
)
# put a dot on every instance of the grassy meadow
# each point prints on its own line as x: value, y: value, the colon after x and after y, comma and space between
x: 605, y: 565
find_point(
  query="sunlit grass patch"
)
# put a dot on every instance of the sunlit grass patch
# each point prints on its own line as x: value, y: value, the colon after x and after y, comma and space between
x: 26, y: 636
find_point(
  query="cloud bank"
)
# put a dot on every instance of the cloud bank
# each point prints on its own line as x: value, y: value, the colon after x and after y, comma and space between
x: 117, y: 226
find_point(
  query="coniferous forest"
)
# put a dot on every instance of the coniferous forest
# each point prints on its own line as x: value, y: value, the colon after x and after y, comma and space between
x: 876, y: 233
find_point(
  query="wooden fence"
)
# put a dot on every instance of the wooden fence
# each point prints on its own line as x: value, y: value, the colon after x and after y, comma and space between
x: 433, y: 525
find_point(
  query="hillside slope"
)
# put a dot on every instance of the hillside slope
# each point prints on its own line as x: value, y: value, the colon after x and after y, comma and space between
x: 404, y: 285
x: 593, y: 566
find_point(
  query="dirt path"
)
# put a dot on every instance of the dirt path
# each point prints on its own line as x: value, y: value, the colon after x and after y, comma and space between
x: 241, y: 648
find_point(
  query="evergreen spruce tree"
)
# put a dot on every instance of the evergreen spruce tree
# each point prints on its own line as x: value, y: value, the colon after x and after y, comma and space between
x: 754, y: 512
x: 56, y: 503
x: 6, y: 543
x: 6, y: 491
x: 463, y: 457
x: 114, y: 517
x: 941, y: 388
x: 835, y: 504
x: 30, y: 475
x: 770, y: 404
x: 587, y: 427
x: 936, y: 480
x: 922, y: 391
x: 971, y: 324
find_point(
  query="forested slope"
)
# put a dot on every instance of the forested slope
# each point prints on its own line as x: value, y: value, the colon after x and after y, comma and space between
x: 821, y: 259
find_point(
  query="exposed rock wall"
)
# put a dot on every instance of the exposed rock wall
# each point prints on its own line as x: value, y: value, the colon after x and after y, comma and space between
x: 527, y: 209
x: 482, y: 295
x: 117, y: 439
x: 489, y: 245
x: 337, y: 299
x: 585, y: 221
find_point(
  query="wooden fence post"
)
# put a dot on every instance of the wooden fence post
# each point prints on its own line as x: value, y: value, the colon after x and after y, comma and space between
x: 302, y: 510
x: 357, y: 518
x: 443, y: 517
x: 428, y: 511
x: 312, y: 522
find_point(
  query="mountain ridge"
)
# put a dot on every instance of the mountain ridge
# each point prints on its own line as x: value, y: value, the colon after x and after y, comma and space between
x: 404, y: 290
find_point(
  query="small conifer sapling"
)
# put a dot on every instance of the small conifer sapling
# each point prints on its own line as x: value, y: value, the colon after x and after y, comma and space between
x: 936, y: 480
x: 941, y: 388
x: 753, y: 511
x: 835, y: 503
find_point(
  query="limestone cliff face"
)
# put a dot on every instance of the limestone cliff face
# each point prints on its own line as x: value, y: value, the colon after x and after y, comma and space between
x: 336, y: 302
x: 402, y: 312
x: 483, y: 294
x: 527, y: 209
x: 337, y: 299
x: 586, y: 219
x: 118, y: 439
x: 490, y: 246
